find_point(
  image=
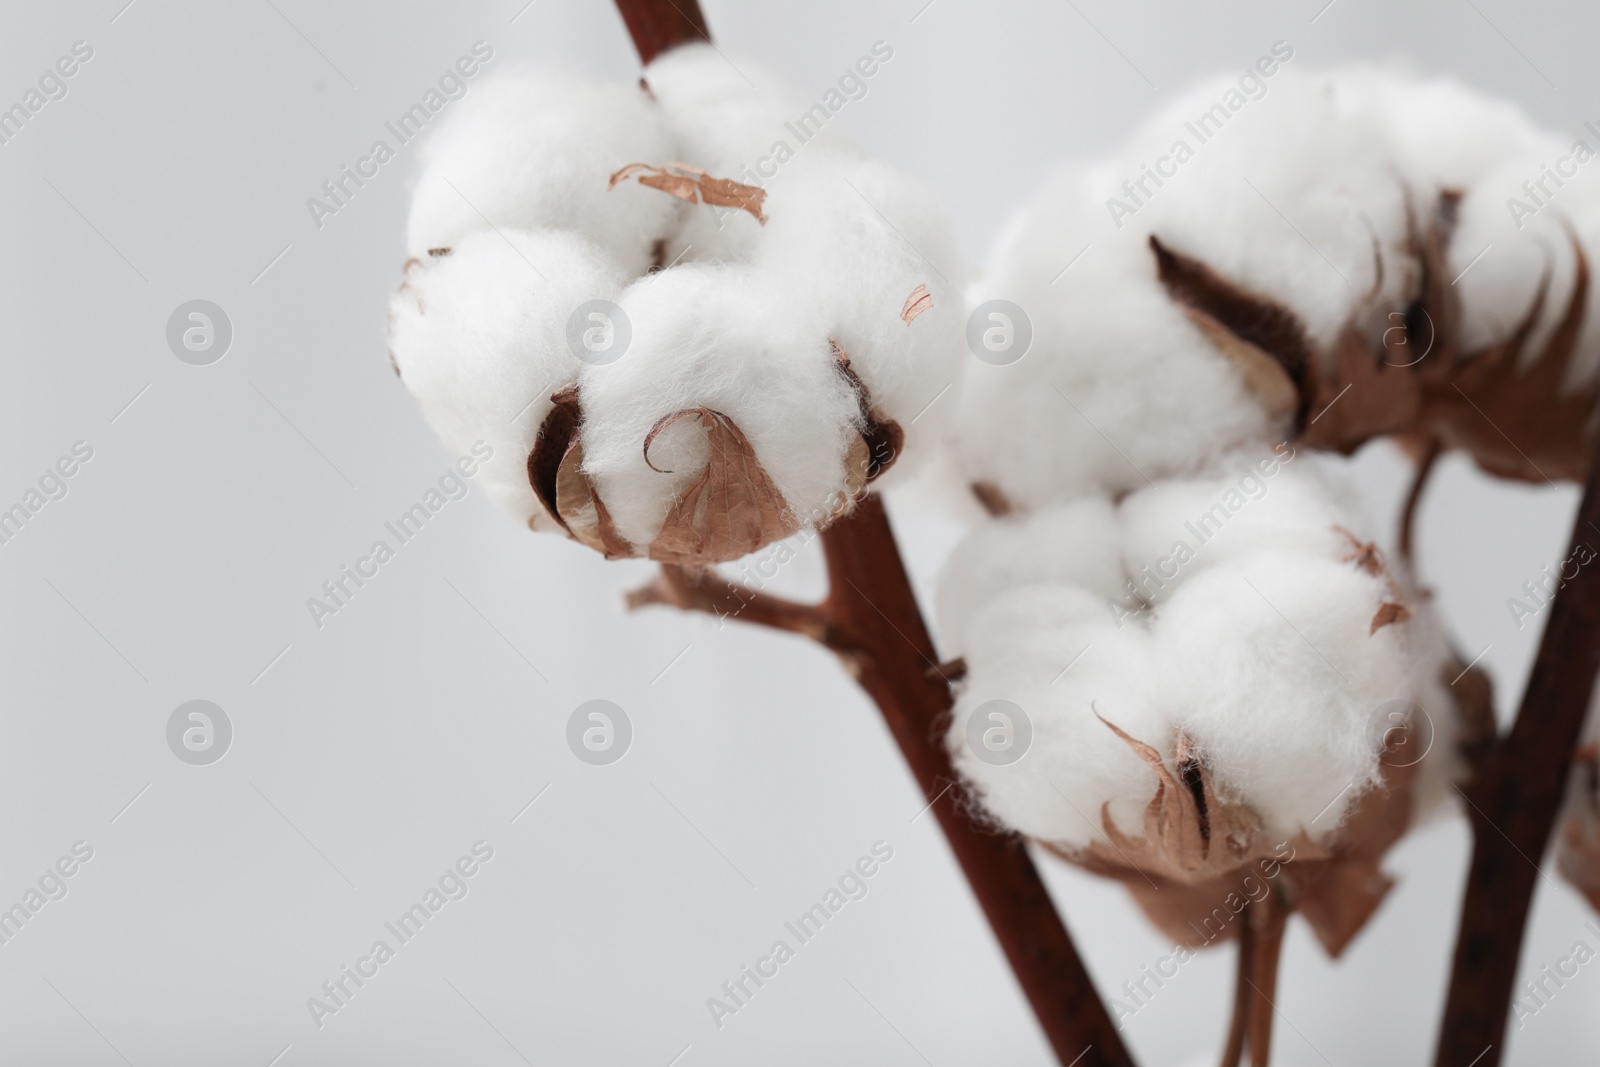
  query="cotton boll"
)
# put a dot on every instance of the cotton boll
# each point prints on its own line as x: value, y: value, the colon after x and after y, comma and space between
x: 852, y: 240
x: 1290, y: 199
x: 1073, y: 544
x: 479, y: 337
x: 1267, y: 500
x: 1079, y: 411
x: 720, y: 114
x: 1019, y: 645
x: 1521, y: 237
x: 536, y: 149
x: 1279, y: 677
x: 727, y: 126
x: 718, y: 337
x: 1425, y: 119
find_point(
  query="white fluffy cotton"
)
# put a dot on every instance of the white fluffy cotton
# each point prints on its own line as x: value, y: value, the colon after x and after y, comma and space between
x: 744, y: 319
x: 479, y: 337
x: 1304, y: 194
x: 721, y: 337
x: 535, y: 149
x: 1250, y: 634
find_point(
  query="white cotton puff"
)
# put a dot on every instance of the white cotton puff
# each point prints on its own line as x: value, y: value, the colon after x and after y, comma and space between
x: 1263, y: 500
x: 1119, y: 385
x: 534, y: 149
x: 479, y: 337
x: 1290, y: 198
x: 1020, y: 643
x: 1258, y: 644
x: 1515, y: 246
x: 725, y: 125
x: 720, y: 337
x: 1273, y: 672
x: 852, y: 242
x: 1441, y: 134
x: 1073, y: 544
x: 1116, y: 384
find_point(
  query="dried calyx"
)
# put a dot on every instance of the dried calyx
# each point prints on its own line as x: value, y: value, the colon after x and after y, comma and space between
x: 1415, y: 381
x: 730, y: 509
x: 674, y: 360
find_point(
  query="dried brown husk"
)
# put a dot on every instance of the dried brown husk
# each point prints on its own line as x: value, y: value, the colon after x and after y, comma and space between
x: 555, y: 471
x: 691, y: 183
x: 1513, y: 414
x: 731, y: 508
x: 1200, y: 854
x: 1578, y: 849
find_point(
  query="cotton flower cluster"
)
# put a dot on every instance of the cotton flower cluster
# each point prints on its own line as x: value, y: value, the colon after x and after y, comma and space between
x: 669, y: 362
x: 1175, y: 611
x: 1356, y: 253
x: 1206, y: 673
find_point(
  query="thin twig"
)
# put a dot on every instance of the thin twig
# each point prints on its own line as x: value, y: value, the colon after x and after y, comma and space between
x: 1268, y: 916
x: 1238, y: 1027
x: 1513, y: 810
x: 1419, y: 481
x: 703, y: 589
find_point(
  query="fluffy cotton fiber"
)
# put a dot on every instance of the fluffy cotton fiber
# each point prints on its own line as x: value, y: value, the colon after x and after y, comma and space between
x: 1253, y: 637
x: 479, y: 336
x: 1317, y: 198
x: 786, y: 309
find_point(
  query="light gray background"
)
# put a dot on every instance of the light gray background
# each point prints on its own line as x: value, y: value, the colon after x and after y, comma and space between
x: 425, y: 716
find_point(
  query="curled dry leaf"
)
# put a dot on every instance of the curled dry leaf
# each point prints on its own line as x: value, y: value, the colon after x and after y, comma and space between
x: 1578, y: 851
x: 555, y: 471
x: 1369, y: 557
x: 1512, y: 412
x: 919, y: 301
x: 1387, y: 614
x: 694, y: 185
x: 731, y: 508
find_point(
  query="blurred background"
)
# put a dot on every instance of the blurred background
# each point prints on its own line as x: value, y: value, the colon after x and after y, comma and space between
x: 430, y: 713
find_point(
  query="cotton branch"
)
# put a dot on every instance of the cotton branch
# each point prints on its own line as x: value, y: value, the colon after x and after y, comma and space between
x: 1513, y: 807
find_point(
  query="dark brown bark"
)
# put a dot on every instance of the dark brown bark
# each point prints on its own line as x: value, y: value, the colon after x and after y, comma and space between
x: 1513, y: 807
x: 657, y: 25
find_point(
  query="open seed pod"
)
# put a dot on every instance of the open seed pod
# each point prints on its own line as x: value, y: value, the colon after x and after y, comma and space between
x: 1356, y: 254
x: 1219, y: 689
x: 678, y: 349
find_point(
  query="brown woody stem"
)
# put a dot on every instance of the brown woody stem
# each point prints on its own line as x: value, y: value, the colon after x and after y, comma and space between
x: 1419, y: 481
x: 1513, y: 807
x: 1268, y: 918
x: 657, y: 25
x: 1239, y: 1026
